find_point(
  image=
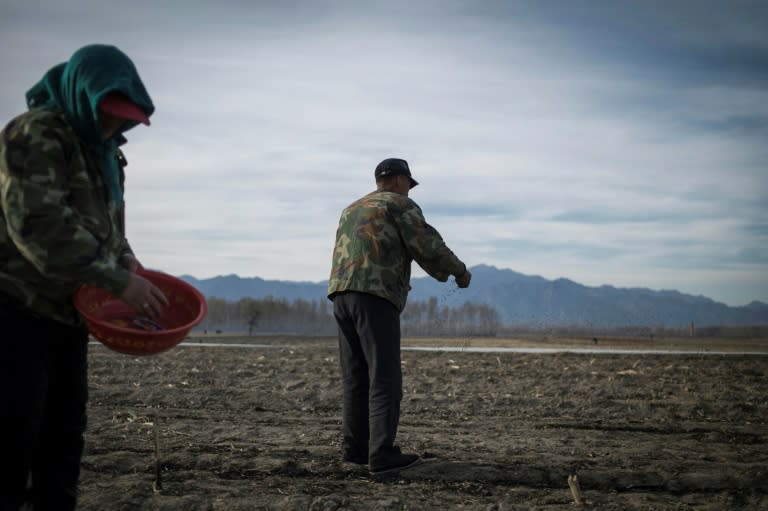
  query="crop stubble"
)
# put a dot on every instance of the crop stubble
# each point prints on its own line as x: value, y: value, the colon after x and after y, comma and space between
x: 244, y: 429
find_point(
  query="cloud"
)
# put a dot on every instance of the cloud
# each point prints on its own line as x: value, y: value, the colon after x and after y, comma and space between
x: 611, y: 143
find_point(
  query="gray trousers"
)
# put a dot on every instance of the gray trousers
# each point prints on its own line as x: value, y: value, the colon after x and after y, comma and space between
x: 369, y: 353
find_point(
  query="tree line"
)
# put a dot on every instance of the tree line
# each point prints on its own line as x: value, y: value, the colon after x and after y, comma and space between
x: 315, y: 317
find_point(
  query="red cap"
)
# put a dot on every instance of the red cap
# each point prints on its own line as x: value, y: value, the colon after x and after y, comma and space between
x: 118, y: 105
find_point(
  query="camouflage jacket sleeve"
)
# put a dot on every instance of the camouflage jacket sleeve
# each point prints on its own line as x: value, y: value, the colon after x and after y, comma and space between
x: 426, y: 246
x: 125, y: 247
x: 36, y: 190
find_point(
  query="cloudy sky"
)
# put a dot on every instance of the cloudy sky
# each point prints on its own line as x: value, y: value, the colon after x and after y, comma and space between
x: 609, y: 142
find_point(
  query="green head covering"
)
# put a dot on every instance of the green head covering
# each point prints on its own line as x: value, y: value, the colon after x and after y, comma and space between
x: 77, y: 87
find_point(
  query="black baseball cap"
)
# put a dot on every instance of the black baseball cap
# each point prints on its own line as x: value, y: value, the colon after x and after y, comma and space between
x: 392, y: 167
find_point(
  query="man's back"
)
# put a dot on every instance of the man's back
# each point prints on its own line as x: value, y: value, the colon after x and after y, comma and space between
x: 370, y: 255
x: 378, y: 237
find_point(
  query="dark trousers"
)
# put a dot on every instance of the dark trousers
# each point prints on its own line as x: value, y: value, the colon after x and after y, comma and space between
x: 369, y: 349
x: 43, y: 394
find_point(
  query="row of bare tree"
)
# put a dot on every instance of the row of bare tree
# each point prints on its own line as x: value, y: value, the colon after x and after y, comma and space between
x: 422, y: 319
x: 278, y: 315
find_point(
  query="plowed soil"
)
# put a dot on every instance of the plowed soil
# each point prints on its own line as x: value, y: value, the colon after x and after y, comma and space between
x: 227, y: 428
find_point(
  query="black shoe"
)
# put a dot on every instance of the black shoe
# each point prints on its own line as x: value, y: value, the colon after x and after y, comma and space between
x: 357, y: 460
x: 392, y: 462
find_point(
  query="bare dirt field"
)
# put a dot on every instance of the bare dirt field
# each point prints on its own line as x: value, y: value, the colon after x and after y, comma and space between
x: 230, y: 428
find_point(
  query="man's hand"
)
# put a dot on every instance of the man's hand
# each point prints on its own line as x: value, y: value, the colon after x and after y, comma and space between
x: 463, y: 280
x: 144, y: 296
x: 130, y: 263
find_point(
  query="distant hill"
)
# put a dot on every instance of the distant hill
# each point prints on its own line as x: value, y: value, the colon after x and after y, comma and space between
x: 233, y: 287
x: 527, y: 300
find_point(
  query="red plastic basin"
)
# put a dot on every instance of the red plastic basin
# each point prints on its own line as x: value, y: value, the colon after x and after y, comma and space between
x: 121, y: 328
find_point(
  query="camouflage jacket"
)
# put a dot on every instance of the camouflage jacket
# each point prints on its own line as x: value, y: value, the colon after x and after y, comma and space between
x: 377, y: 238
x: 58, y: 228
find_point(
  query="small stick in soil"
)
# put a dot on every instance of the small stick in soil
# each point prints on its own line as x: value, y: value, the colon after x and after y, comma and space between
x: 157, y: 484
x: 573, y: 483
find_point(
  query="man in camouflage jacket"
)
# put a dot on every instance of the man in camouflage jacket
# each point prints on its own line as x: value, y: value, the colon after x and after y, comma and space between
x: 61, y: 226
x: 378, y: 237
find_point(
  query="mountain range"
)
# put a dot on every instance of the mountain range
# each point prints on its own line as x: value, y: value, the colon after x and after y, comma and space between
x: 526, y: 300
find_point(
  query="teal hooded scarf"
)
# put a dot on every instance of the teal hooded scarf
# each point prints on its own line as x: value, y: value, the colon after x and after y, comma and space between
x: 77, y: 87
